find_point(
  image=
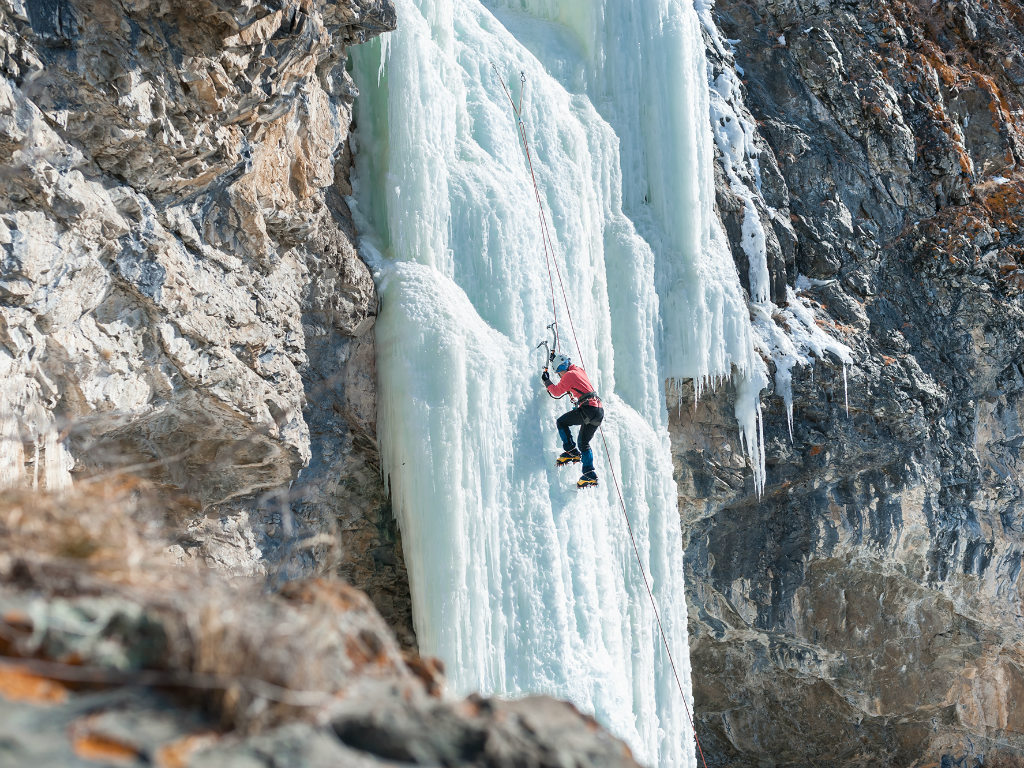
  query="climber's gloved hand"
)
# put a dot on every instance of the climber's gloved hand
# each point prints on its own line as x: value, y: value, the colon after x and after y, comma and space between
x: 545, y: 377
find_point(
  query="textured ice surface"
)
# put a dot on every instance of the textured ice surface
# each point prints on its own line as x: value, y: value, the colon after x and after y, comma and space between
x: 643, y: 66
x: 521, y: 583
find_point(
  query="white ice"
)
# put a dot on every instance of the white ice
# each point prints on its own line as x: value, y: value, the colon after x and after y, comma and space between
x: 521, y: 583
x: 643, y: 67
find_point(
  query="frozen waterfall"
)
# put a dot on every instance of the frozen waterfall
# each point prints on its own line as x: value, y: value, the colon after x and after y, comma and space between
x: 522, y: 584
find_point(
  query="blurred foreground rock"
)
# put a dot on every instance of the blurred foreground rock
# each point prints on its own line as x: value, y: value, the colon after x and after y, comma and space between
x: 112, y: 653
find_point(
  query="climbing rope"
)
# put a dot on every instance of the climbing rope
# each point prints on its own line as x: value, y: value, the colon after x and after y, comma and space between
x: 549, y: 249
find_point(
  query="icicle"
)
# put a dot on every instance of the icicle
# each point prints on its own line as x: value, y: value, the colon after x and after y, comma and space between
x: 846, y: 393
x: 798, y: 339
x: 748, y: 416
x: 385, y: 49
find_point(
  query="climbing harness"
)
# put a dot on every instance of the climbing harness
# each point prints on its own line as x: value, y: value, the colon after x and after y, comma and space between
x: 549, y: 257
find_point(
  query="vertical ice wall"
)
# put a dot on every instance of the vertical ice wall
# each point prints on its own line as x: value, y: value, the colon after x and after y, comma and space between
x: 643, y: 66
x: 520, y: 582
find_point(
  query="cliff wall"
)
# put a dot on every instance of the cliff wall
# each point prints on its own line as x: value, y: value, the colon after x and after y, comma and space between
x: 867, y: 610
x: 180, y: 292
x: 180, y: 296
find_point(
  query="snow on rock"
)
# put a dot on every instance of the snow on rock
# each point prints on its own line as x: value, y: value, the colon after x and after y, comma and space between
x: 787, y: 336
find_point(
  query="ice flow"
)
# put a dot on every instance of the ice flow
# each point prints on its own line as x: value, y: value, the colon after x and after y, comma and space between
x: 521, y: 583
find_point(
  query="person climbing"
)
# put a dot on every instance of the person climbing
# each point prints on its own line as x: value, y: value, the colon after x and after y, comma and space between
x: 587, y: 413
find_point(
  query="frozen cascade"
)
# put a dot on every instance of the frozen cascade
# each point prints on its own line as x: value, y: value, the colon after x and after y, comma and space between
x: 644, y: 68
x: 520, y: 583
x: 788, y: 335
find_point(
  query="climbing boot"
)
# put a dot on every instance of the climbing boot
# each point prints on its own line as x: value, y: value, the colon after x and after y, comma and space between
x: 587, y: 479
x: 568, y: 457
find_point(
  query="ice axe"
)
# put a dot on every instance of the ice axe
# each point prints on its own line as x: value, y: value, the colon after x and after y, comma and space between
x: 550, y: 347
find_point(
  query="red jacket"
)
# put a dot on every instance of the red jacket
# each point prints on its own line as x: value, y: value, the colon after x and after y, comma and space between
x: 575, y: 382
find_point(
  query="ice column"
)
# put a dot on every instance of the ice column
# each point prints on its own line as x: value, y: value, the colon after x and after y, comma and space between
x: 520, y: 582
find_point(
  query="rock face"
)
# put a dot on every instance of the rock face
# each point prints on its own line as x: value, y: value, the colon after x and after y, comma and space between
x: 867, y: 609
x: 179, y: 291
x: 114, y: 654
x: 180, y: 295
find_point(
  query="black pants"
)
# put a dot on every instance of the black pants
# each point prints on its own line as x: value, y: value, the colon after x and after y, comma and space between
x: 589, y: 417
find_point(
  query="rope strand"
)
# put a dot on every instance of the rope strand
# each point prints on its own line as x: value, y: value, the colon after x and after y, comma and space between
x: 545, y: 239
x: 568, y: 311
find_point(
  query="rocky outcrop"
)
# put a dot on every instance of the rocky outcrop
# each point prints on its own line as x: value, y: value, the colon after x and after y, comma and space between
x: 180, y: 293
x: 112, y: 653
x: 866, y: 610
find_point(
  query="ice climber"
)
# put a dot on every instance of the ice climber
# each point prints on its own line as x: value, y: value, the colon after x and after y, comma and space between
x: 588, y: 414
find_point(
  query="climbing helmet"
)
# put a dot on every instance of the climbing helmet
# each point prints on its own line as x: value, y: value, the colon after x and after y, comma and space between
x: 563, y: 364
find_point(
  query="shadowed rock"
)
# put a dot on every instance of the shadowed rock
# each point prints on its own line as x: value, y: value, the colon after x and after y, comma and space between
x: 866, y: 609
